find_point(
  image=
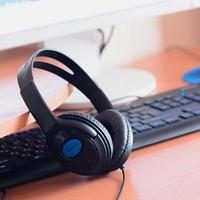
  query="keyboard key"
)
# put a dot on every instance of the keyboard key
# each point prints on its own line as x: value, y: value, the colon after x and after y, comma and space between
x: 197, y: 98
x: 133, y: 115
x: 167, y: 102
x: 5, y: 168
x: 164, y: 107
x: 38, y: 157
x: 188, y: 109
x: 185, y: 101
x: 3, y: 146
x: 160, y: 106
x: 157, y: 124
x: 171, y: 120
x: 175, y: 104
x: 154, y: 113
x: 6, y: 152
x: 189, y: 95
x: 178, y: 98
x: 149, y: 102
x: 142, y: 128
x: 4, y: 161
x: 145, y: 116
x: 146, y: 121
x: 186, y: 115
x: 158, y: 99
x: 136, y: 124
x: 169, y: 96
x: 156, y: 105
x: 197, y: 92
x: 132, y: 120
x: 193, y: 97
x: 37, y: 135
x: 196, y: 112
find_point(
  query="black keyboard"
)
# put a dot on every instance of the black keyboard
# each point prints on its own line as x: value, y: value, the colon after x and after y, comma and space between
x: 24, y: 156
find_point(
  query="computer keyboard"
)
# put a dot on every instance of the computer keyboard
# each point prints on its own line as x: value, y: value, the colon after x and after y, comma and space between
x: 24, y: 156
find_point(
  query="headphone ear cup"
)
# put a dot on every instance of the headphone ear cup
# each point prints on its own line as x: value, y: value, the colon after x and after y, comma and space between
x: 102, y: 133
x: 121, y: 134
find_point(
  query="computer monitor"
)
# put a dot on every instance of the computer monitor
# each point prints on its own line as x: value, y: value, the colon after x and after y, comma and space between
x: 29, y: 21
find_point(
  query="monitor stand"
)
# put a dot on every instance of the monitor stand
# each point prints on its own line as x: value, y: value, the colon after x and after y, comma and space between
x: 116, y: 82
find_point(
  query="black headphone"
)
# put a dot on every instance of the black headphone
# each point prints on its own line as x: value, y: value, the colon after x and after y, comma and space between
x: 82, y: 143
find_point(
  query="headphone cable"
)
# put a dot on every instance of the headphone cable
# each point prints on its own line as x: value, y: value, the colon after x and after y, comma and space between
x: 122, y: 184
x: 104, y: 43
x: 3, y: 194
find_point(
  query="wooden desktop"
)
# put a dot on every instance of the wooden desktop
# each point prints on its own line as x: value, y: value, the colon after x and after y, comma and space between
x: 165, y: 171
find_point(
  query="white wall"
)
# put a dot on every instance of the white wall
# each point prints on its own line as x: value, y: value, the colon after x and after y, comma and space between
x: 130, y: 41
x: 181, y: 29
x: 143, y: 37
x: 133, y: 41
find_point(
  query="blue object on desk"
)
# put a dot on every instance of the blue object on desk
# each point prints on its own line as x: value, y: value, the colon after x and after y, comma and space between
x: 192, y: 76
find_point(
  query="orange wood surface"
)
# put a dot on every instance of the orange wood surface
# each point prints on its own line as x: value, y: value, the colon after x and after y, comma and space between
x: 14, y: 114
x: 165, y: 171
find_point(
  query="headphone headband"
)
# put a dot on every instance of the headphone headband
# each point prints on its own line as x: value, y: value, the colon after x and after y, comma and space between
x: 79, y: 79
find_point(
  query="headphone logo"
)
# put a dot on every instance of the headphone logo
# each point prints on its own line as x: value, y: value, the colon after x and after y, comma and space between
x: 72, y: 148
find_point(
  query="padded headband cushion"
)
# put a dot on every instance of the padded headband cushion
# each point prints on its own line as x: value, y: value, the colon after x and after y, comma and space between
x: 121, y: 134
